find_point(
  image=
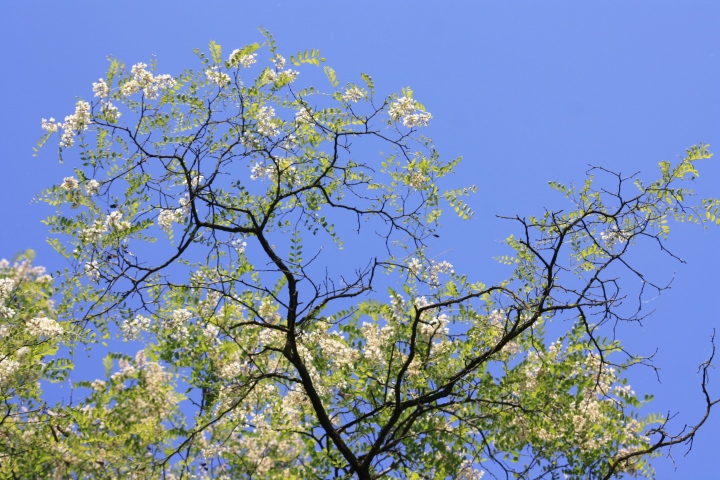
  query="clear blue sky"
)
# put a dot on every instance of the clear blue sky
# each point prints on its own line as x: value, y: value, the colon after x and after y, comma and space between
x: 525, y: 91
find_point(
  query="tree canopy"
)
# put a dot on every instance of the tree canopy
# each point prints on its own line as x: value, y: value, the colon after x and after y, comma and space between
x: 294, y: 317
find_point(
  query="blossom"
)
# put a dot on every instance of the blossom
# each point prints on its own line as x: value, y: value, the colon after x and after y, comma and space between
x: 401, y: 107
x: 244, y: 60
x: 6, y: 287
x: 50, y: 125
x: 217, y: 77
x: 70, y: 184
x: 92, y: 187
x: 414, y: 266
x: 92, y: 271
x: 239, y: 246
x: 43, y: 326
x: 265, y: 125
x: 101, y: 88
x: 279, y: 61
x: 405, y: 109
x: 150, y: 84
x: 111, y: 112
x: 289, y: 75
x: 114, y: 220
x: 613, y: 236
x: 94, y: 232
x: 353, y: 94
x: 76, y: 123
x: 8, y: 367
x: 131, y: 329
x: 176, y: 327
x: 417, y: 119
x: 303, y: 116
x: 269, y: 76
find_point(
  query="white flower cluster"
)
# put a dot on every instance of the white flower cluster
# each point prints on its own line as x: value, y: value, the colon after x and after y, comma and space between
x: 268, y: 311
x: 50, y: 125
x: 244, y: 60
x: 432, y: 274
x: 167, y: 216
x: 70, y: 184
x: 43, y: 326
x: 404, y: 108
x: 279, y: 61
x: 376, y: 341
x: 8, y: 367
x: 114, y: 220
x: 436, y: 268
x: 150, y: 84
x: 613, y: 236
x: 92, y: 271
x: 132, y: 329
x: 217, y: 77
x: 101, y: 88
x: 265, y: 124
x: 74, y: 124
x: 239, y: 246
x: 176, y: 327
x: 353, y: 94
x: 110, y: 112
x: 468, y: 472
x: 435, y: 329
x: 92, y: 187
x: 302, y: 117
x: 416, y: 179
x: 6, y: 287
x: 415, y: 266
x: 259, y: 170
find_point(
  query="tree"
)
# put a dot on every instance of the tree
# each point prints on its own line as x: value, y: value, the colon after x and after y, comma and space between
x: 204, y: 219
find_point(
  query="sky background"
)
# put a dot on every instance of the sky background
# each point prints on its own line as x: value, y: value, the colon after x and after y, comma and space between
x: 527, y: 92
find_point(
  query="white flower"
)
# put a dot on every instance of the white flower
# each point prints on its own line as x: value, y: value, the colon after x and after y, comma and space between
x: 289, y: 75
x: 70, y: 184
x: 401, y: 107
x: 196, y: 181
x: 414, y: 266
x: 114, y: 220
x: 93, y: 233
x: 353, y: 94
x: 76, y: 123
x: 43, y: 326
x: 101, y: 88
x: 303, y: 116
x: 8, y: 367
x: 269, y: 76
x: 111, y: 112
x: 417, y: 119
x: 242, y: 60
x: 150, y: 84
x: 92, y: 271
x: 279, y: 61
x: 613, y: 236
x: 130, y: 88
x: 404, y: 108
x: 239, y: 246
x: 260, y: 171
x: 165, y: 218
x: 265, y: 125
x: 131, y: 329
x: 217, y: 77
x: 92, y: 187
x: 50, y: 125
x: 98, y: 385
